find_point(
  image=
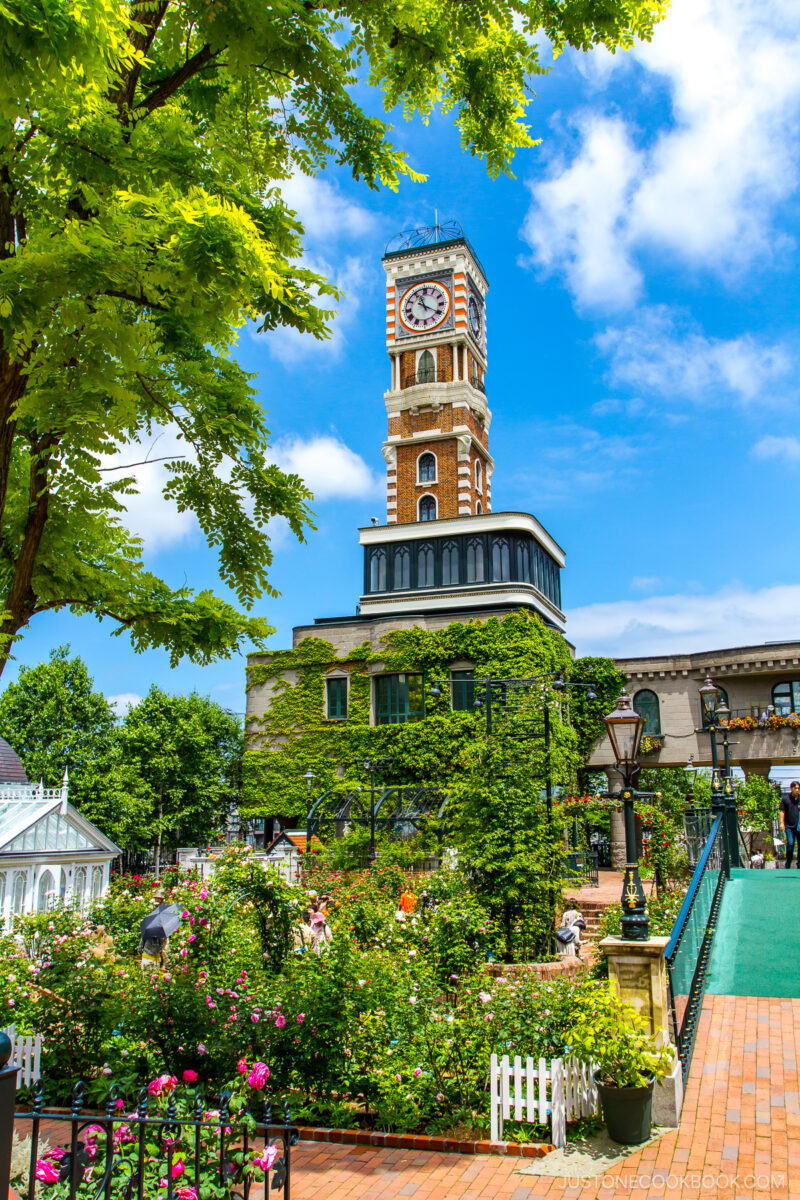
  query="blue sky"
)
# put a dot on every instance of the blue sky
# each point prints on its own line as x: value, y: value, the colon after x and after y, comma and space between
x: 643, y: 355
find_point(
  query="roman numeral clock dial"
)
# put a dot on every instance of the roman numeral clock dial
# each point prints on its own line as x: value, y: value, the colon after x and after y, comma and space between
x: 424, y: 307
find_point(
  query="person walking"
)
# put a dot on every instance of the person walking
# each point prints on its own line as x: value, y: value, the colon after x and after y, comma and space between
x: 789, y: 814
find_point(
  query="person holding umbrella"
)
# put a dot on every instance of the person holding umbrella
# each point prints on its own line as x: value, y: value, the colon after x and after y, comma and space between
x: 155, y: 931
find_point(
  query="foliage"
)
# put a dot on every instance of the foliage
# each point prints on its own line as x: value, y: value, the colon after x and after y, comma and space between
x: 757, y: 801
x: 613, y: 1036
x: 587, y: 715
x: 430, y: 752
x: 56, y: 721
x: 142, y: 228
x: 183, y: 753
x: 662, y: 912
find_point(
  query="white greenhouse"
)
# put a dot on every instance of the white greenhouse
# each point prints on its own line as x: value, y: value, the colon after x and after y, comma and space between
x: 48, y: 850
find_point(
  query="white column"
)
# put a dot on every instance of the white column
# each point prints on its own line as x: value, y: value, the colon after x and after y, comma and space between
x: 455, y: 362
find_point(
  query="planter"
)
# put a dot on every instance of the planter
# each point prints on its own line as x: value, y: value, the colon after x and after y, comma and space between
x: 627, y: 1112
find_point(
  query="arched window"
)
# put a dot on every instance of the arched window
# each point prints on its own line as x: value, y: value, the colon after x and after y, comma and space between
x: 450, y: 564
x: 476, y: 561
x: 18, y: 895
x: 523, y: 562
x: 377, y: 571
x: 501, y: 560
x: 474, y: 374
x: 427, y: 509
x: 2, y: 893
x: 79, y: 886
x: 645, y: 703
x: 426, y: 468
x: 786, y: 697
x: 478, y: 508
x: 47, y: 892
x: 62, y: 887
x: 479, y: 476
x: 97, y: 882
x: 426, y: 368
x: 402, y: 568
x: 425, y: 567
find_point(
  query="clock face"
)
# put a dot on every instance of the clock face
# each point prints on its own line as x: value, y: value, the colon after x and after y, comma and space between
x: 424, y: 307
x: 474, y: 315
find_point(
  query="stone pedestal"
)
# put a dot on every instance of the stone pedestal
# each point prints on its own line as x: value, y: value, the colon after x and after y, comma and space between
x: 638, y: 971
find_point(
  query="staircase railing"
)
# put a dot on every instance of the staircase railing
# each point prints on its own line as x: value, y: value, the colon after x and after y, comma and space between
x: 689, y: 946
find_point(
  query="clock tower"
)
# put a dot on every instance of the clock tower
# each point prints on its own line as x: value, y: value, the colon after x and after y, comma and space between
x: 437, y: 449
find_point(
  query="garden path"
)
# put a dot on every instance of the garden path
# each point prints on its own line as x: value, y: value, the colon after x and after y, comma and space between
x: 740, y: 1129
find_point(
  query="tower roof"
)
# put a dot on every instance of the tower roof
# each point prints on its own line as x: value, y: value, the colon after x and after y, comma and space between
x: 11, y: 769
x: 443, y: 236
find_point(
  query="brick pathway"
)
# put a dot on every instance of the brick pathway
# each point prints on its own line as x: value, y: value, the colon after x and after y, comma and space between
x: 740, y: 1130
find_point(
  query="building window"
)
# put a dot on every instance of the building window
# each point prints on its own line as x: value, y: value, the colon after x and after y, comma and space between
x: 79, y: 886
x: 645, y: 703
x: 337, y: 698
x: 479, y: 476
x: 402, y: 568
x: 398, y: 698
x: 463, y: 690
x: 426, y: 368
x: 426, y: 468
x: 523, y: 562
x: 425, y: 561
x: 97, y: 882
x: 427, y: 509
x: 478, y: 508
x: 18, y: 895
x: 47, y: 892
x: 474, y: 375
x: 450, y: 564
x: 501, y: 560
x: 786, y: 697
x: 377, y: 571
x: 476, y: 564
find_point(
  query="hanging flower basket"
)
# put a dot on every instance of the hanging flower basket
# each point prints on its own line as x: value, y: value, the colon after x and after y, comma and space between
x: 651, y: 742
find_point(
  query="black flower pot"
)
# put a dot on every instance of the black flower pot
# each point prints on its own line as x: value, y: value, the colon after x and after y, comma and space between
x: 627, y: 1112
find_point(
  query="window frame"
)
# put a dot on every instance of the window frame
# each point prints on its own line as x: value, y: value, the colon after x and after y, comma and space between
x: 462, y: 679
x: 330, y: 715
x: 420, y: 457
x: 479, y: 476
x: 794, y: 694
x: 395, y: 706
x: 422, y: 501
x: 648, y: 692
x: 419, y: 368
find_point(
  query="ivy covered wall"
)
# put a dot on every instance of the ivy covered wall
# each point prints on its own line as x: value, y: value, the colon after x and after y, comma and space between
x: 293, y: 734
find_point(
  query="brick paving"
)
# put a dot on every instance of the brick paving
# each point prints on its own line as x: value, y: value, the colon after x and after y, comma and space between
x: 739, y: 1133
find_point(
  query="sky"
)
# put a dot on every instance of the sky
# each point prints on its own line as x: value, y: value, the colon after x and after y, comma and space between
x: 643, y: 356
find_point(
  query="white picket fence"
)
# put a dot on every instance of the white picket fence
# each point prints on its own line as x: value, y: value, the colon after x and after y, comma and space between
x: 539, y: 1092
x: 26, y: 1053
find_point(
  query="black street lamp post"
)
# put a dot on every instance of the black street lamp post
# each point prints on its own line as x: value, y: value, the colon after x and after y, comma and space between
x: 371, y: 765
x: 716, y: 718
x: 624, y: 727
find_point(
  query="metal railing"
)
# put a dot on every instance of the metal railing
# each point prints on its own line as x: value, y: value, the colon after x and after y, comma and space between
x: 581, y: 868
x: 119, y: 1156
x: 697, y: 824
x: 689, y: 946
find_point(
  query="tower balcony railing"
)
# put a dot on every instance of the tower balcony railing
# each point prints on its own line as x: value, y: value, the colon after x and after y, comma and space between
x: 429, y: 376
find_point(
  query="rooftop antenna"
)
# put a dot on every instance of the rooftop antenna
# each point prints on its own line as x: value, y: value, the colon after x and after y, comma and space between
x: 436, y: 224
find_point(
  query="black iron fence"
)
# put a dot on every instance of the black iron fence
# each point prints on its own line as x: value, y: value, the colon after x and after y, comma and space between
x: 697, y: 824
x: 180, y: 1150
x: 689, y: 946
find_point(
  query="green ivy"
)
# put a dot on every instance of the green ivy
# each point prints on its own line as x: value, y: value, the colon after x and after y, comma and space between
x: 294, y: 735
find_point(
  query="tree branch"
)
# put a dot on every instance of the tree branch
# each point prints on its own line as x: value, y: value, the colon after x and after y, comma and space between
x: 169, y: 86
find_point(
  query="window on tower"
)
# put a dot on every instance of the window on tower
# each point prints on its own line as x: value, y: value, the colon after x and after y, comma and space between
x: 479, y: 476
x: 501, y: 560
x: 426, y: 466
x: 426, y: 368
x: 402, y: 568
x: 377, y: 571
x: 425, y: 567
x: 450, y: 564
x: 427, y: 509
x: 476, y: 561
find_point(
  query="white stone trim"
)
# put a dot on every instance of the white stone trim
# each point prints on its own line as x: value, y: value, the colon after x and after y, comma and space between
x: 487, y: 523
x: 470, y: 596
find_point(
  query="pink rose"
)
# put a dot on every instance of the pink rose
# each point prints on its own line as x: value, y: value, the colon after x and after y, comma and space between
x: 192, y: 938
x: 258, y: 1076
x: 187, y: 1193
x: 45, y: 1173
x: 241, y: 1066
x: 300, y: 1018
x: 417, y: 1071
x: 189, y: 1076
x: 162, y: 1086
x: 280, y: 1020
x: 267, y: 1158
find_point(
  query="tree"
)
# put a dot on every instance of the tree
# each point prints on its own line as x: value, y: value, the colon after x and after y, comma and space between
x: 184, y: 755
x: 140, y: 228
x: 55, y: 720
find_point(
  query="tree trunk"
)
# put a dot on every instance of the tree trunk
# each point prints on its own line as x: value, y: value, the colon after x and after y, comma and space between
x: 159, y: 836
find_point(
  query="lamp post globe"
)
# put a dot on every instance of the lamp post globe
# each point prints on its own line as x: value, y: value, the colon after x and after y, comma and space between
x: 709, y: 695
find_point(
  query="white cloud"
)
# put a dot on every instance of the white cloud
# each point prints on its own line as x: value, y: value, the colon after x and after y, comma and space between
x: 122, y: 702
x: 704, y: 190
x: 149, y: 515
x: 733, y: 616
x: 645, y: 583
x: 325, y: 213
x: 666, y: 353
x: 782, y: 448
x: 329, y: 468
x: 290, y: 346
